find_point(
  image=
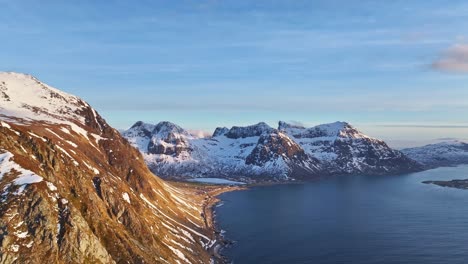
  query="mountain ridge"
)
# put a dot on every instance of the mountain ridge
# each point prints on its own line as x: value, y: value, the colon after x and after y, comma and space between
x: 75, y: 191
x: 446, y: 153
x: 261, y: 152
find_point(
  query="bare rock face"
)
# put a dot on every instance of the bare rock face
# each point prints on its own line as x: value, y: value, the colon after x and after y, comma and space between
x: 169, y: 139
x: 220, y: 131
x: 248, y: 131
x: 75, y: 191
x: 276, y: 147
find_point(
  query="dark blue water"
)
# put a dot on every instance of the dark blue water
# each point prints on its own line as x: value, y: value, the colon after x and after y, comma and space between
x: 393, y: 219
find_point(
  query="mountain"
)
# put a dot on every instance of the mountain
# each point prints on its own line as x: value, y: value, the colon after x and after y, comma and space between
x: 75, y: 191
x: 448, y: 153
x: 342, y: 149
x: 252, y: 152
x: 260, y: 152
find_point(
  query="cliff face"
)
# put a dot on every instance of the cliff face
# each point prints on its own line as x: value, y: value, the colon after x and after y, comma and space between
x: 75, y: 191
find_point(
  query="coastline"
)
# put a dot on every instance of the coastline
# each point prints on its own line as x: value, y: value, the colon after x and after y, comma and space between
x: 209, y: 193
x: 211, y: 200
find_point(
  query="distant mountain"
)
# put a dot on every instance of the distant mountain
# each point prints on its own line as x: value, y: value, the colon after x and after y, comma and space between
x: 342, y: 149
x: 75, y: 191
x: 448, y: 153
x: 256, y: 152
x: 260, y: 152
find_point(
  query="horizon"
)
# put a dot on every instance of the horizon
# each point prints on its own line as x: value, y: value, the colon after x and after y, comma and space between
x: 396, y: 71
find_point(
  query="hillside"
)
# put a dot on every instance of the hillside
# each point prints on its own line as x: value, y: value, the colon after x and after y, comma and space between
x: 75, y: 191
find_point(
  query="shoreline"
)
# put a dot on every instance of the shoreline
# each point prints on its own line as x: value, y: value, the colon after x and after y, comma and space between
x: 211, y: 200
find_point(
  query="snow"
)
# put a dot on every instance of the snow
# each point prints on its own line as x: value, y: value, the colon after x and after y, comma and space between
x: 19, y: 224
x: 14, y: 248
x: 31, y: 100
x: 72, y: 143
x: 95, y: 171
x: 21, y: 234
x: 3, y: 124
x: 25, y: 177
x: 51, y: 186
x: 442, y: 153
x: 226, y: 154
x: 36, y: 136
x: 179, y: 254
x: 126, y: 197
x: 64, y: 151
x: 206, y: 155
x: 216, y: 181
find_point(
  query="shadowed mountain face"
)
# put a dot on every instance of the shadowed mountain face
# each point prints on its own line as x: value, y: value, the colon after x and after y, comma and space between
x: 75, y: 191
x: 260, y: 152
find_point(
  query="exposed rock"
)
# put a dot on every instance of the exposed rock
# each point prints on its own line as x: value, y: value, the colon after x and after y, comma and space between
x: 67, y: 178
x: 220, y: 131
x: 248, y: 131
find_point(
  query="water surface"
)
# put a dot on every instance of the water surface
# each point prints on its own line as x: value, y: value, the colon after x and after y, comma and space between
x: 357, y: 219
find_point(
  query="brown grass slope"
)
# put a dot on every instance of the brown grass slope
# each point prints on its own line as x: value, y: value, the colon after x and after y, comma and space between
x: 80, y: 212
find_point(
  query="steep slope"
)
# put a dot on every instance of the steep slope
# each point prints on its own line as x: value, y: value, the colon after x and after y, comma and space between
x: 447, y: 153
x: 342, y: 149
x: 256, y: 152
x: 75, y: 191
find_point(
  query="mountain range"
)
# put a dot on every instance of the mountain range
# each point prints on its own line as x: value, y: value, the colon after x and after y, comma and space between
x: 260, y: 152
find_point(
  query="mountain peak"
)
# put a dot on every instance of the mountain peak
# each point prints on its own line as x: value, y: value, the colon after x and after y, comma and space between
x: 138, y: 124
x: 220, y: 131
x: 249, y: 131
x: 24, y: 97
x: 282, y: 125
x: 165, y: 127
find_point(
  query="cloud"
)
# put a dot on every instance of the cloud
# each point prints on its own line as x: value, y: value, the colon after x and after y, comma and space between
x: 199, y: 133
x: 454, y: 59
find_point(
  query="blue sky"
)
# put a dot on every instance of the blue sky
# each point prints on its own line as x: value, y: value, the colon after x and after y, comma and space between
x: 396, y: 69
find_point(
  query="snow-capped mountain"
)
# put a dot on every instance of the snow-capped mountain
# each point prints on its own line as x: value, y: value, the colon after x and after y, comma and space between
x: 260, y: 152
x: 256, y: 151
x: 446, y: 153
x: 73, y: 190
x: 342, y: 149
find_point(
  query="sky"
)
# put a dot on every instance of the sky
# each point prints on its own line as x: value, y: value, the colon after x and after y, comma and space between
x: 397, y: 70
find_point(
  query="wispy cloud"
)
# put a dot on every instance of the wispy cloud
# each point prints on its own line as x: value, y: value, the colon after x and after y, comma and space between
x: 454, y: 59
